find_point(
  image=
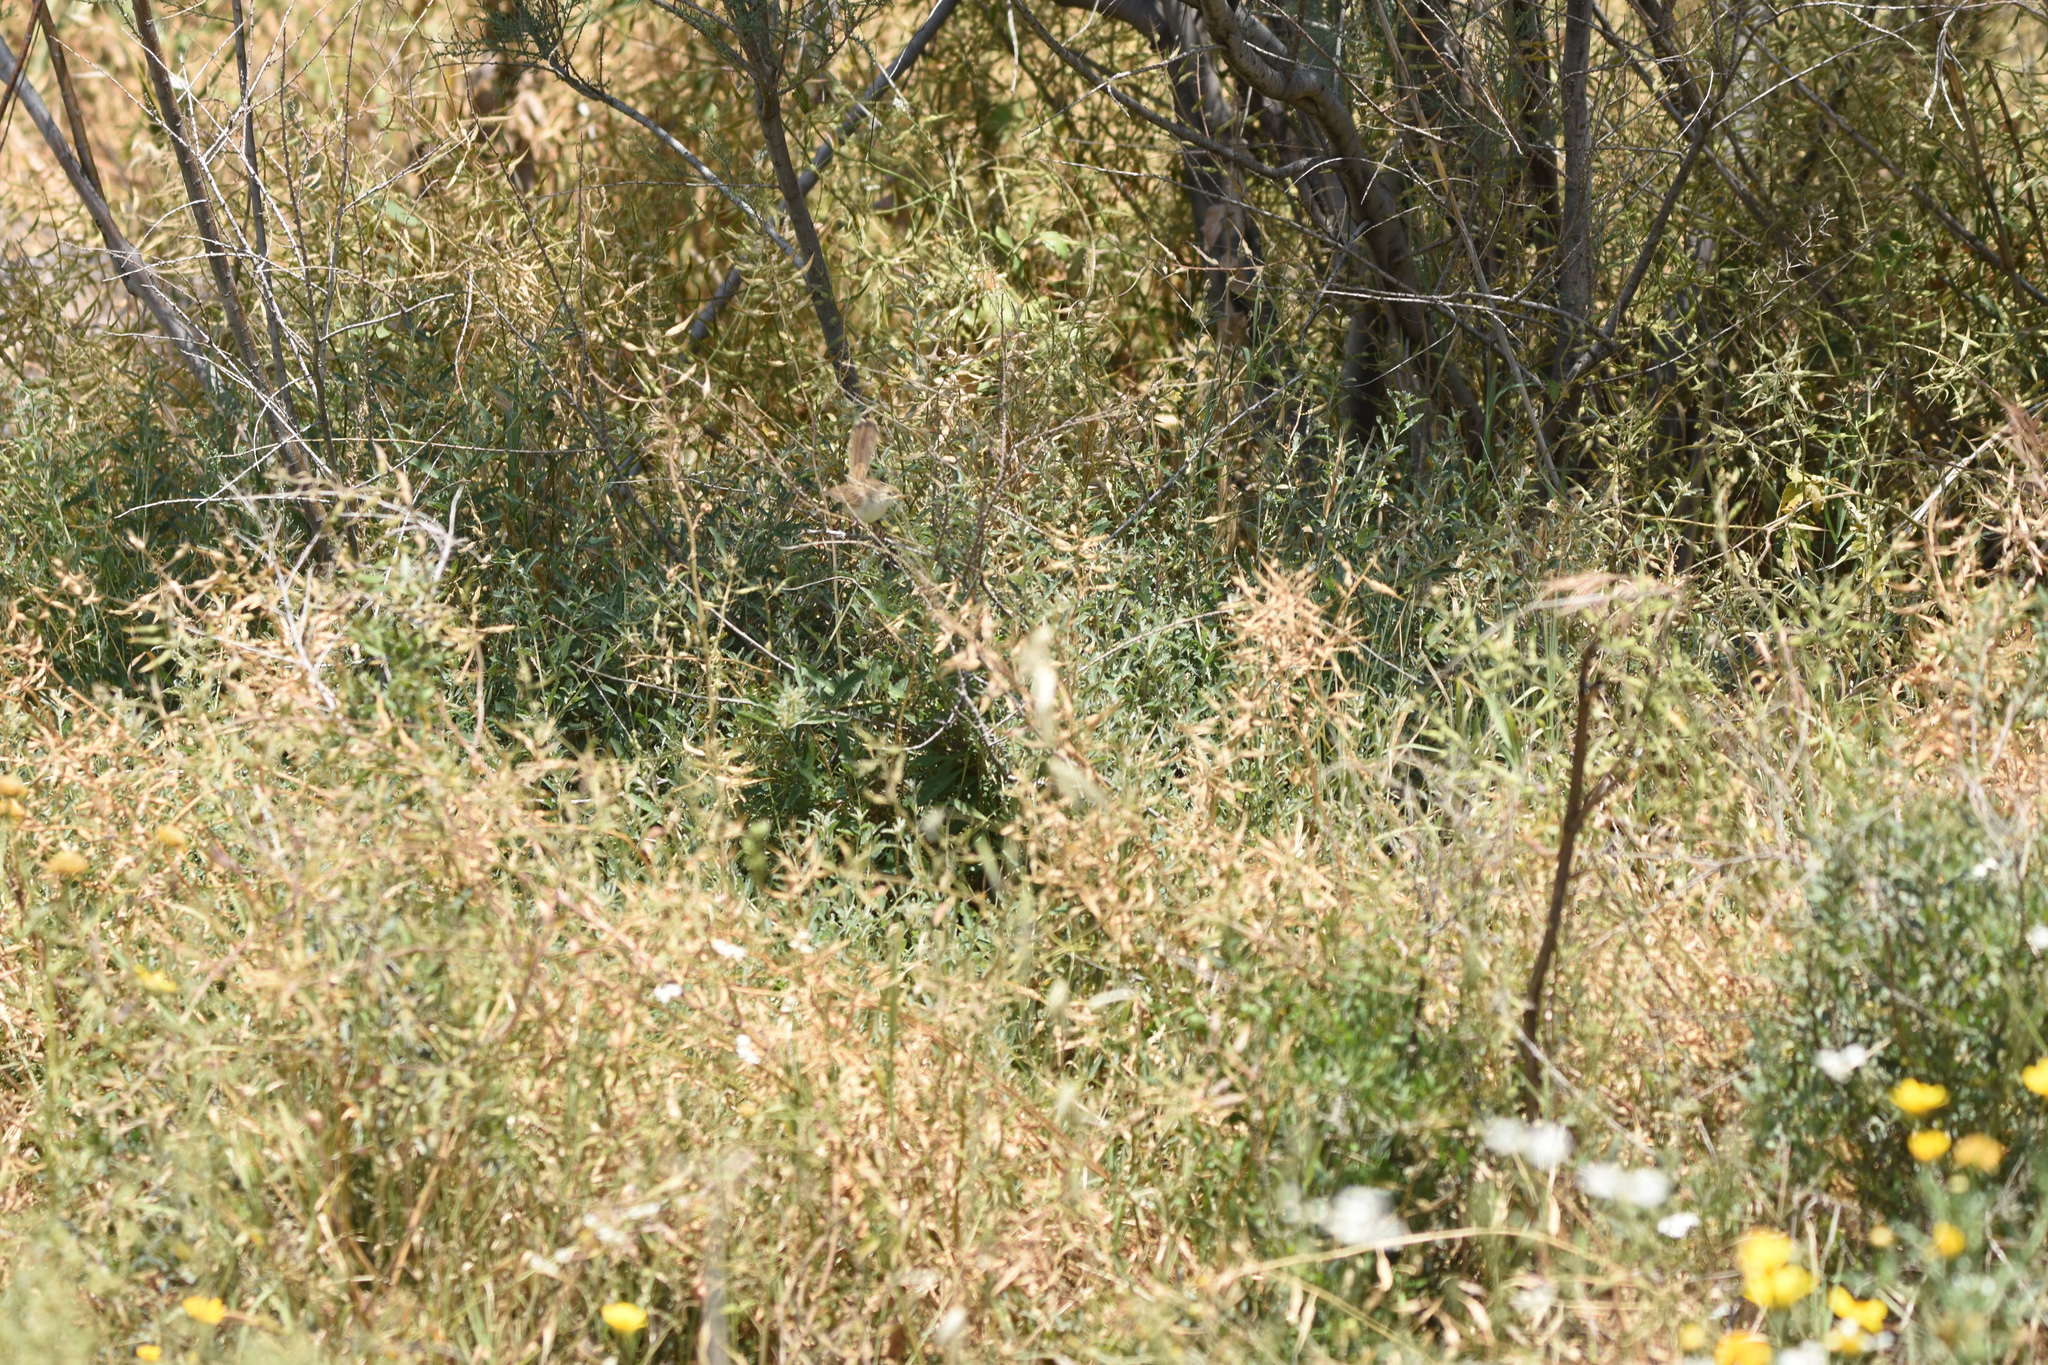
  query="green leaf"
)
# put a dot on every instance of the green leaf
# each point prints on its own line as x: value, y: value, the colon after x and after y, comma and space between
x: 400, y: 214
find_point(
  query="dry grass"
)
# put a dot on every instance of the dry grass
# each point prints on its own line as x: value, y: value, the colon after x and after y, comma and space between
x: 414, y: 1084
x: 432, y: 1026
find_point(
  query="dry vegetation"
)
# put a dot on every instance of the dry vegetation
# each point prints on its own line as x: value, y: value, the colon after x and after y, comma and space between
x: 516, y: 849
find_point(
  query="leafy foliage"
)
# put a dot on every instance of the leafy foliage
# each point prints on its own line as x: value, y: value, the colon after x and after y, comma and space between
x: 1915, y: 946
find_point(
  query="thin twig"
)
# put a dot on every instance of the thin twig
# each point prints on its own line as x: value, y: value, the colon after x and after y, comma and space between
x: 197, y: 202
x: 1969, y: 240
x: 259, y: 244
x: 567, y: 75
x: 271, y: 396
x: 856, y: 114
x: 135, y: 274
x: 1576, y: 808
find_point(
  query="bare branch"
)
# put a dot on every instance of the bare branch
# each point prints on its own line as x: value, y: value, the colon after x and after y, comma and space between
x: 1575, y: 220
x: 857, y: 113
x: 269, y: 391
x: 135, y: 274
x: 765, y: 71
x: 1245, y: 43
x: 568, y: 76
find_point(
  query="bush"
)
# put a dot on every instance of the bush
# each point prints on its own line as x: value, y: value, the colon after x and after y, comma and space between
x: 1915, y: 946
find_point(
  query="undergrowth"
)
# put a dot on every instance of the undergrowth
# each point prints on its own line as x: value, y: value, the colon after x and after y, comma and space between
x: 551, y: 880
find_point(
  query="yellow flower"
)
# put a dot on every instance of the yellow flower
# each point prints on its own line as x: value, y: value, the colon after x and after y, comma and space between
x: 1867, y: 1314
x: 1948, y: 1240
x: 12, y: 811
x: 1929, y: 1144
x: 1769, y: 1279
x: 1882, y: 1237
x: 1917, y: 1097
x: 1979, y: 1152
x: 2035, y: 1077
x: 1692, y: 1338
x: 1742, y: 1348
x: 12, y: 788
x: 65, y: 864
x: 202, y: 1309
x: 1761, y: 1251
x: 624, y: 1318
x: 149, y: 1352
x: 171, y: 839
x: 154, y: 981
x: 1780, y: 1288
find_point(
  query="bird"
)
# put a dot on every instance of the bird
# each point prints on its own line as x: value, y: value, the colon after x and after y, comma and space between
x: 867, y: 499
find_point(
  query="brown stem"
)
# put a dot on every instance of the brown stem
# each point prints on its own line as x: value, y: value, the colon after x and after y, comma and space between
x: 1576, y: 808
x: 67, y: 94
x: 1531, y: 75
x: 198, y: 202
x: 259, y: 229
x: 765, y: 70
x: 856, y: 113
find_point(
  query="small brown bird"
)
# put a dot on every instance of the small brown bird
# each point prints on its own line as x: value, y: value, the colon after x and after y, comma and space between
x: 868, y: 499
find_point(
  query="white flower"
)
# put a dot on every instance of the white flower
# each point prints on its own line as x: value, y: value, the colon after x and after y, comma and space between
x: 1642, y: 1189
x: 1645, y: 1188
x: 607, y: 1232
x: 1678, y: 1226
x: 1984, y: 869
x: 1534, y: 1299
x: 1805, y: 1353
x: 1508, y: 1137
x: 1362, y: 1216
x: 1601, y: 1179
x: 1547, y: 1146
x: 1842, y: 1063
x: 748, y: 1053
x: 724, y: 949
x: 1543, y: 1145
x: 668, y: 992
x: 2037, y: 938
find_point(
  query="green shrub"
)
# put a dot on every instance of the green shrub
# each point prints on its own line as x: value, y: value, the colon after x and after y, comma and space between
x: 1914, y: 945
